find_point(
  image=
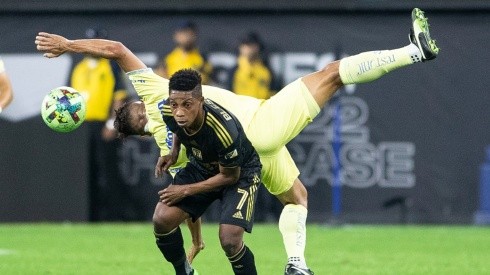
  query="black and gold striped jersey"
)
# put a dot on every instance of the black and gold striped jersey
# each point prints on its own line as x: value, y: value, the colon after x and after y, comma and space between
x: 220, y: 141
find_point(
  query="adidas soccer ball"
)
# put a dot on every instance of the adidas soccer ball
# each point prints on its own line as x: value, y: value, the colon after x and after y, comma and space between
x: 63, y: 109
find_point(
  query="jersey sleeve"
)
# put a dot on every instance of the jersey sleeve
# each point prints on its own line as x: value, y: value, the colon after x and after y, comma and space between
x: 231, y: 156
x: 167, y: 116
x: 162, y: 135
x: 149, y: 86
x: 165, y: 136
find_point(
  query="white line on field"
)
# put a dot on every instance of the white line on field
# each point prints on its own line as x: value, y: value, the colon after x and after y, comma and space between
x: 4, y: 252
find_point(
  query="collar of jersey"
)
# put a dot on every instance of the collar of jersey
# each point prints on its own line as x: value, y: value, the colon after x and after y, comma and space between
x: 200, y: 127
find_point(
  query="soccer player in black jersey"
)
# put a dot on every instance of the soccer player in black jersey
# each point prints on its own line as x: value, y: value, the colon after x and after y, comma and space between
x: 223, y: 165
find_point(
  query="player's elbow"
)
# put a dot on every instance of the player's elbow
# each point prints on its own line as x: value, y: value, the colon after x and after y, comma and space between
x: 118, y: 50
x: 232, y: 179
x: 229, y: 175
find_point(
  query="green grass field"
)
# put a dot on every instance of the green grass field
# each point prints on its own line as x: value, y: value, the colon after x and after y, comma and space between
x: 130, y: 249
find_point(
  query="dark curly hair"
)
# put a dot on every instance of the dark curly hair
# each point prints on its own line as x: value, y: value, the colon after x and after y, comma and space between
x: 186, y: 80
x: 122, y: 121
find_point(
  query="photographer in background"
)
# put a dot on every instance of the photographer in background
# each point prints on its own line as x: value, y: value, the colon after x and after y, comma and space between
x: 251, y: 76
x: 186, y: 54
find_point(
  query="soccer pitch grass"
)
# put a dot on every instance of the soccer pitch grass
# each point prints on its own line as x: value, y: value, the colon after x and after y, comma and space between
x: 130, y: 249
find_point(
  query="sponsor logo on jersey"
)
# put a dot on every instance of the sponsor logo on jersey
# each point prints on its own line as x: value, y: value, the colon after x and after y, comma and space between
x: 197, y: 153
x: 232, y: 154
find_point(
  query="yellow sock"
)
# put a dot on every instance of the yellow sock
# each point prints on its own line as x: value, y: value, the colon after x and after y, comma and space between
x: 369, y: 66
x: 292, y: 225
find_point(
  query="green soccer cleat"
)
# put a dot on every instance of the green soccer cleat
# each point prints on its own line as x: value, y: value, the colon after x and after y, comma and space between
x: 420, y: 36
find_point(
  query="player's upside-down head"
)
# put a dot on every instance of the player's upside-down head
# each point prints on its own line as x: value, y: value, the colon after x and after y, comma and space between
x: 185, y: 91
x: 131, y: 119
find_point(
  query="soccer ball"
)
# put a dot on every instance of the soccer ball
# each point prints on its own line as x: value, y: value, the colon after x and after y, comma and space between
x: 63, y: 109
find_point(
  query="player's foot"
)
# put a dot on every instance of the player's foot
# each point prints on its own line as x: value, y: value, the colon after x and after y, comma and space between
x: 294, y: 270
x: 420, y: 35
x: 411, y: 36
x: 194, y: 272
x: 194, y: 250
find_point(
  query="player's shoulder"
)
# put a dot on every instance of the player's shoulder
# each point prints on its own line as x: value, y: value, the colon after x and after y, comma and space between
x: 147, y: 77
x: 222, y: 122
x: 219, y: 112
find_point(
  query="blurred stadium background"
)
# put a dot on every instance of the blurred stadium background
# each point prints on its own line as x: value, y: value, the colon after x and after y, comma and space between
x: 412, y: 145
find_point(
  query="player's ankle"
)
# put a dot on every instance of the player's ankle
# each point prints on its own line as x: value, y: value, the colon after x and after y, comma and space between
x: 298, y: 261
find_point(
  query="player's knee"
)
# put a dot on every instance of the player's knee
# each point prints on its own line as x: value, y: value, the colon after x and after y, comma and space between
x: 231, y: 242
x: 302, y: 195
x: 297, y: 194
x: 161, y: 223
x: 331, y: 74
x: 158, y: 223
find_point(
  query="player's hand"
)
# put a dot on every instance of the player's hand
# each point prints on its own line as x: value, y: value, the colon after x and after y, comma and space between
x: 52, y: 45
x: 194, y: 250
x: 173, y: 194
x: 163, y: 164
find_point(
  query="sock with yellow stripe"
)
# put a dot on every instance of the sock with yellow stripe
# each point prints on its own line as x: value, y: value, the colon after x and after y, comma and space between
x: 292, y: 224
x: 243, y: 262
x: 369, y: 66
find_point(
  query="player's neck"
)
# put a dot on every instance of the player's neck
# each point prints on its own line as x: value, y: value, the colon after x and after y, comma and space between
x: 196, y: 125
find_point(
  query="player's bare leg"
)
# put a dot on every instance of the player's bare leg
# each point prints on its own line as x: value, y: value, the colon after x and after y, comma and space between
x: 240, y: 256
x: 324, y: 83
x: 297, y: 194
x: 166, y: 221
x: 292, y: 224
x: 369, y: 66
x: 197, y: 242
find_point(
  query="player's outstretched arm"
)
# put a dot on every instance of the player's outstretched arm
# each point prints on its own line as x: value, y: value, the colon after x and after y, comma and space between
x: 54, y: 45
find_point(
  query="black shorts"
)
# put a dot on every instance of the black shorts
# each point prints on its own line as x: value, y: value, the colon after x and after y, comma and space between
x: 237, y: 200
